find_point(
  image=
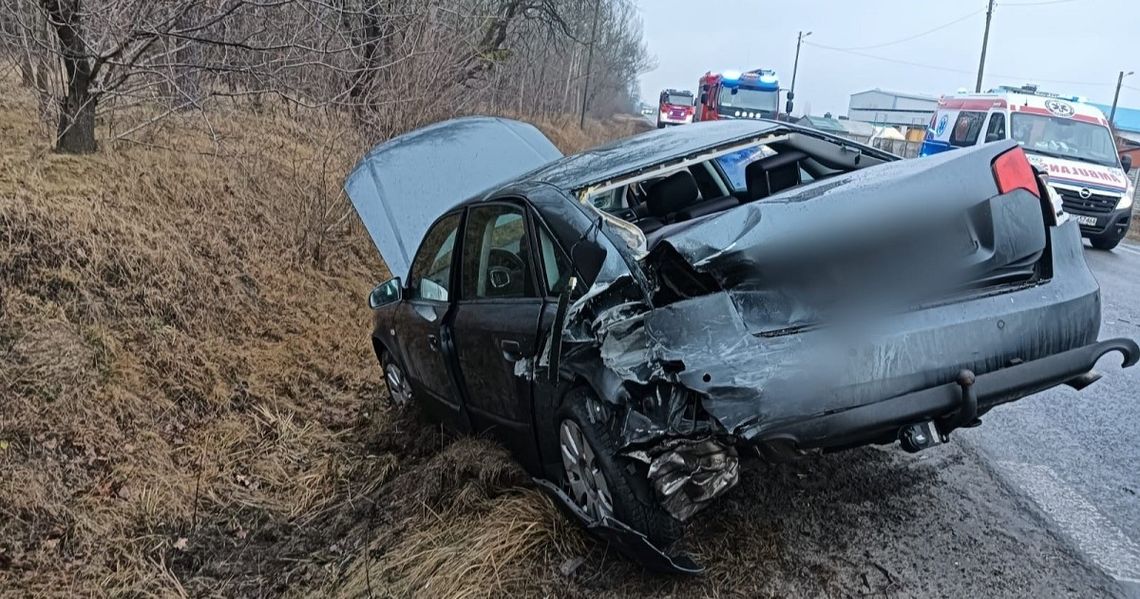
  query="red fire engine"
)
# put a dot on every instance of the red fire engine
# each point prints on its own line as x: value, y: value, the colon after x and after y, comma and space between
x: 735, y: 95
x: 675, y: 107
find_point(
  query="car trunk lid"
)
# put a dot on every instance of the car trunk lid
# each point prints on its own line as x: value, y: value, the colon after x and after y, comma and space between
x: 890, y: 236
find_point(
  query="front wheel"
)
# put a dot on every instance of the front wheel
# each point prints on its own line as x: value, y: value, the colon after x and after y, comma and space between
x: 602, y: 482
x: 1104, y: 243
x: 396, y: 378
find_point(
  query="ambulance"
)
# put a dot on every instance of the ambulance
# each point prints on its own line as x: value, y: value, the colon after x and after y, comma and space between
x: 1064, y: 137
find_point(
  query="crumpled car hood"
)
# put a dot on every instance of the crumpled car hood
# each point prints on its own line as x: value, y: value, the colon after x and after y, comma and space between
x: 407, y: 182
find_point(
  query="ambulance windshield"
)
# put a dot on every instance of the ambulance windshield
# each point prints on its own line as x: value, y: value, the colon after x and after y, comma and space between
x: 1064, y: 138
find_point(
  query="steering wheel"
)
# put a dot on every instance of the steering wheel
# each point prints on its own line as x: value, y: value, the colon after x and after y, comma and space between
x: 505, y: 259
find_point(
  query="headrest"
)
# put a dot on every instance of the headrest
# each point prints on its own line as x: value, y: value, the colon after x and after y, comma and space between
x: 759, y: 174
x: 671, y: 194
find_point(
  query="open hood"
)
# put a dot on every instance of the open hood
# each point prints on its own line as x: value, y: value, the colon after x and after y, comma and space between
x: 407, y: 182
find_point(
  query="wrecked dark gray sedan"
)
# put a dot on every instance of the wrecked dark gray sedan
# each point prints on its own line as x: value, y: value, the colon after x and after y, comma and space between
x: 632, y: 320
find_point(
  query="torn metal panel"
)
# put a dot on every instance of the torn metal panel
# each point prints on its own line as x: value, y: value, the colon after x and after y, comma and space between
x: 688, y: 474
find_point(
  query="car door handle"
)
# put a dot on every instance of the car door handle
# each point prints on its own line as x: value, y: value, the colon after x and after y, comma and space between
x: 433, y: 342
x: 511, y: 350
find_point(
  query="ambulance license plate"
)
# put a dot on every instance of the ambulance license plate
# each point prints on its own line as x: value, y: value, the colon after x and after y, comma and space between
x: 1088, y: 221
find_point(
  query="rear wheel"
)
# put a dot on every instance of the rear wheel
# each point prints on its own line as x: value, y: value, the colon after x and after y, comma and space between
x: 600, y: 481
x: 1104, y: 243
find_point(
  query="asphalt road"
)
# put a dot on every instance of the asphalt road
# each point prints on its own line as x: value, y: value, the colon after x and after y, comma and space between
x: 1076, y: 456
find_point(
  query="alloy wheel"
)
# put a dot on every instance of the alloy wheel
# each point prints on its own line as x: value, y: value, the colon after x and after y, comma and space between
x: 583, y: 473
x: 398, y: 386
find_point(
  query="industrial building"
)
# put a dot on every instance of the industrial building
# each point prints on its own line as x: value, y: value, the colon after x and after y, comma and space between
x: 909, y: 113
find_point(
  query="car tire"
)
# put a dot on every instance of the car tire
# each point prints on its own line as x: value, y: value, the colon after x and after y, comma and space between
x: 631, y: 497
x: 1104, y: 243
x: 396, y: 380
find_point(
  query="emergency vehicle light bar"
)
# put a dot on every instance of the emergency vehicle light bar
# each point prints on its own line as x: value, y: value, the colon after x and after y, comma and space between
x: 1031, y: 90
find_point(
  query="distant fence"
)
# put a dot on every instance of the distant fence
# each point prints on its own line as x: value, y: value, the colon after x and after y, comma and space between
x: 906, y: 149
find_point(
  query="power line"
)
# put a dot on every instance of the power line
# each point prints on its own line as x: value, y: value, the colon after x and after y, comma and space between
x: 951, y: 69
x: 915, y: 36
x: 1043, y: 3
x: 949, y: 24
x: 885, y: 59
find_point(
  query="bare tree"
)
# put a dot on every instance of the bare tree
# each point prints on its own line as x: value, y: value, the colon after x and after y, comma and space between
x: 392, y: 64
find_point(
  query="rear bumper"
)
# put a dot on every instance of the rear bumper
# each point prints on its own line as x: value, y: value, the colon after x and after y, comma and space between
x: 944, y: 403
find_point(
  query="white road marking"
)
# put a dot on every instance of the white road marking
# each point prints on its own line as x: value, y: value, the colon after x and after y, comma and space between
x: 1128, y: 247
x: 1079, y: 519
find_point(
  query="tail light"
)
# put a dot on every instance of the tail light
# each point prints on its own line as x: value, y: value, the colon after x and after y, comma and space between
x: 1013, y: 171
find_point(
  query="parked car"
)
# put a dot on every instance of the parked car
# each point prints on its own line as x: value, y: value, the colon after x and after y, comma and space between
x: 632, y: 319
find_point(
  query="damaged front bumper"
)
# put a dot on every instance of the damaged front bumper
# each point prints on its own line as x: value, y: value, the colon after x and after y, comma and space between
x: 625, y: 539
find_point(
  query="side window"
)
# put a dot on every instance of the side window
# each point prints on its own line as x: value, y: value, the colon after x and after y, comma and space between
x: 967, y: 128
x: 496, y: 257
x: 555, y: 265
x: 996, y: 130
x: 431, y: 270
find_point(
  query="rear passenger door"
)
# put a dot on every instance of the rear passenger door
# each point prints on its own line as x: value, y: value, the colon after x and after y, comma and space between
x: 497, y: 319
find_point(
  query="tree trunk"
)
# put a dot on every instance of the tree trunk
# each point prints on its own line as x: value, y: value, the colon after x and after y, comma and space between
x: 76, y: 134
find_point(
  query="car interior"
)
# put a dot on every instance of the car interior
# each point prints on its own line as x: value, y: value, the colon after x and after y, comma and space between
x: 660, y: 201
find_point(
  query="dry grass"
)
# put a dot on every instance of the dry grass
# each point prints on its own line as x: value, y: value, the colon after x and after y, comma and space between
x: 189, y: 405
x: 188, y: 400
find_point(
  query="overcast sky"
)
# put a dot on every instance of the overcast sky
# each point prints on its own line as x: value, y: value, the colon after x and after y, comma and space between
x: 1068, y: 46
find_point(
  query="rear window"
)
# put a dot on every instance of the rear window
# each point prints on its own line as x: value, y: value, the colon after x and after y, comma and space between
x: 733, y: 164
x: 966, y: 128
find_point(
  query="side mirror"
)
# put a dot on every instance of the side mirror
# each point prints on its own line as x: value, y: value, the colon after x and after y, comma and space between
x: 1126, y: 162
x: 388, y: 292
x: 704, y: 98
x: 588, y: 260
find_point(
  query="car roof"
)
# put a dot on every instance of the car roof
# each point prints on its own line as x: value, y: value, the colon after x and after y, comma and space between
x: 645, y: 150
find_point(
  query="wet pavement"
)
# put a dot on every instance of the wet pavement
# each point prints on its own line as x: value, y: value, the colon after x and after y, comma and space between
x: 1076, y: 456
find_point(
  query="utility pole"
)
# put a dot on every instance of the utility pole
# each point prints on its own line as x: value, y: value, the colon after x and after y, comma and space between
x: 589, y: 63
x: 795, y: 67
x: 1116, y: 98
x: 985, y: 42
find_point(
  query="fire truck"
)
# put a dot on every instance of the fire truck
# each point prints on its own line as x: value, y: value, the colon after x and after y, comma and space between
x: 675, y: 107
x: 735, y: 95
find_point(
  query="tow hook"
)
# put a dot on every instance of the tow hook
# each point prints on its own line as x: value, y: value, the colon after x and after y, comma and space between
x: 916, y: 437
